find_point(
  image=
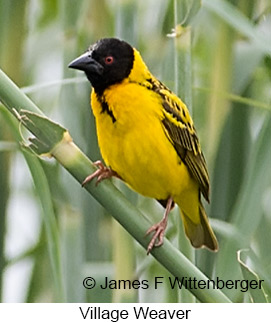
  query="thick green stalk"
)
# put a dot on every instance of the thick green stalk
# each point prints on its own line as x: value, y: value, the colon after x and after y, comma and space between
x: 79, y: 166
x: 14, y: 99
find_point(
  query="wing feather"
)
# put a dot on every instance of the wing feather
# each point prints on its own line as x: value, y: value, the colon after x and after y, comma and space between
x: 183, y: 136
x: 180, y: 130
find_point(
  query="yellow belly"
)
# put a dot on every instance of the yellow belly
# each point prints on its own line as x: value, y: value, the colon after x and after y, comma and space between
x: 136, y: 146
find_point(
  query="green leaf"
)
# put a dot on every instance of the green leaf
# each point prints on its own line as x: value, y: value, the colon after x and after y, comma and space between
x: 186, y: 10
x: 247, y: 211
x: 257, y: 294
x: 234, y: 17
x: 48, y: 133
x: 192, y: 11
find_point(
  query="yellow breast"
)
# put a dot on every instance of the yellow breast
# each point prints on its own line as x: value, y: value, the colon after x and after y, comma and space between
x: 136, y: 145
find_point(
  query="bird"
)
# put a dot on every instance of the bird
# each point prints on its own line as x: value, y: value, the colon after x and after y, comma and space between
x: 147, y: 138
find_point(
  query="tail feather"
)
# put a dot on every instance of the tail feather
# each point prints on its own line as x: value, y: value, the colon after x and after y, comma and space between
x: 200, y: 234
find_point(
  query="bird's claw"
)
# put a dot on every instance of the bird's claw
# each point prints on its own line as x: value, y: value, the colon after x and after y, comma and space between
x: 101, y: 173
x: 159, y: 229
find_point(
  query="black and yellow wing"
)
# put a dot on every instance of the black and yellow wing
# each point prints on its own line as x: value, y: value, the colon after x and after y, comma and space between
x: 180, y: 130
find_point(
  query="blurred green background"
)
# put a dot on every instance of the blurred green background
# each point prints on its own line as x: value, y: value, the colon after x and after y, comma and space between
x: 222, y: 70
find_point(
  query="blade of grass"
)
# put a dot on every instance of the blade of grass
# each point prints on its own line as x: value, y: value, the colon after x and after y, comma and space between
x: 247, y: 212
x: 257, y: 295
x: 234, y: 17
x: 124, y: 258
x: 72, y: 254
x: 237, y: 98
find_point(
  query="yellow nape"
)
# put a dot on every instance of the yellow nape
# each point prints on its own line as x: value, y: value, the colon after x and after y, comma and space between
x: 140, y: 72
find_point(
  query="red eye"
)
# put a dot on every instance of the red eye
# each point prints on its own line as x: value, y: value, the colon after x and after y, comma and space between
x: 109, y: 60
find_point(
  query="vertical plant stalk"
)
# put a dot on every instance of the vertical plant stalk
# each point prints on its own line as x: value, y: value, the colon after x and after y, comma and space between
x: 124, y: 263
x: 12, y: 20
x: 183, y: 88
x: 70, y: 228
x: 218, y: 110
x: 220, y: 78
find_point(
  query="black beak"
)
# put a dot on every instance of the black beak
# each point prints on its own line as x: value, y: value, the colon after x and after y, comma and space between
x: 87, y: 64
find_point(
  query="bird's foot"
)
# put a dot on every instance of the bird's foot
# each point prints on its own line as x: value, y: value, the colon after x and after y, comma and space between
x: 159, y: 228
x: 101, y: 173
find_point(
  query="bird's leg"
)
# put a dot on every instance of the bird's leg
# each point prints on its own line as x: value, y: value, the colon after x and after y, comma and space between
x: 101, y: 173
x: 159, y: 228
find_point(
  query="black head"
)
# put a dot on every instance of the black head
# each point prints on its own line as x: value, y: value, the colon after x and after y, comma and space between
x: 107, y: 62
